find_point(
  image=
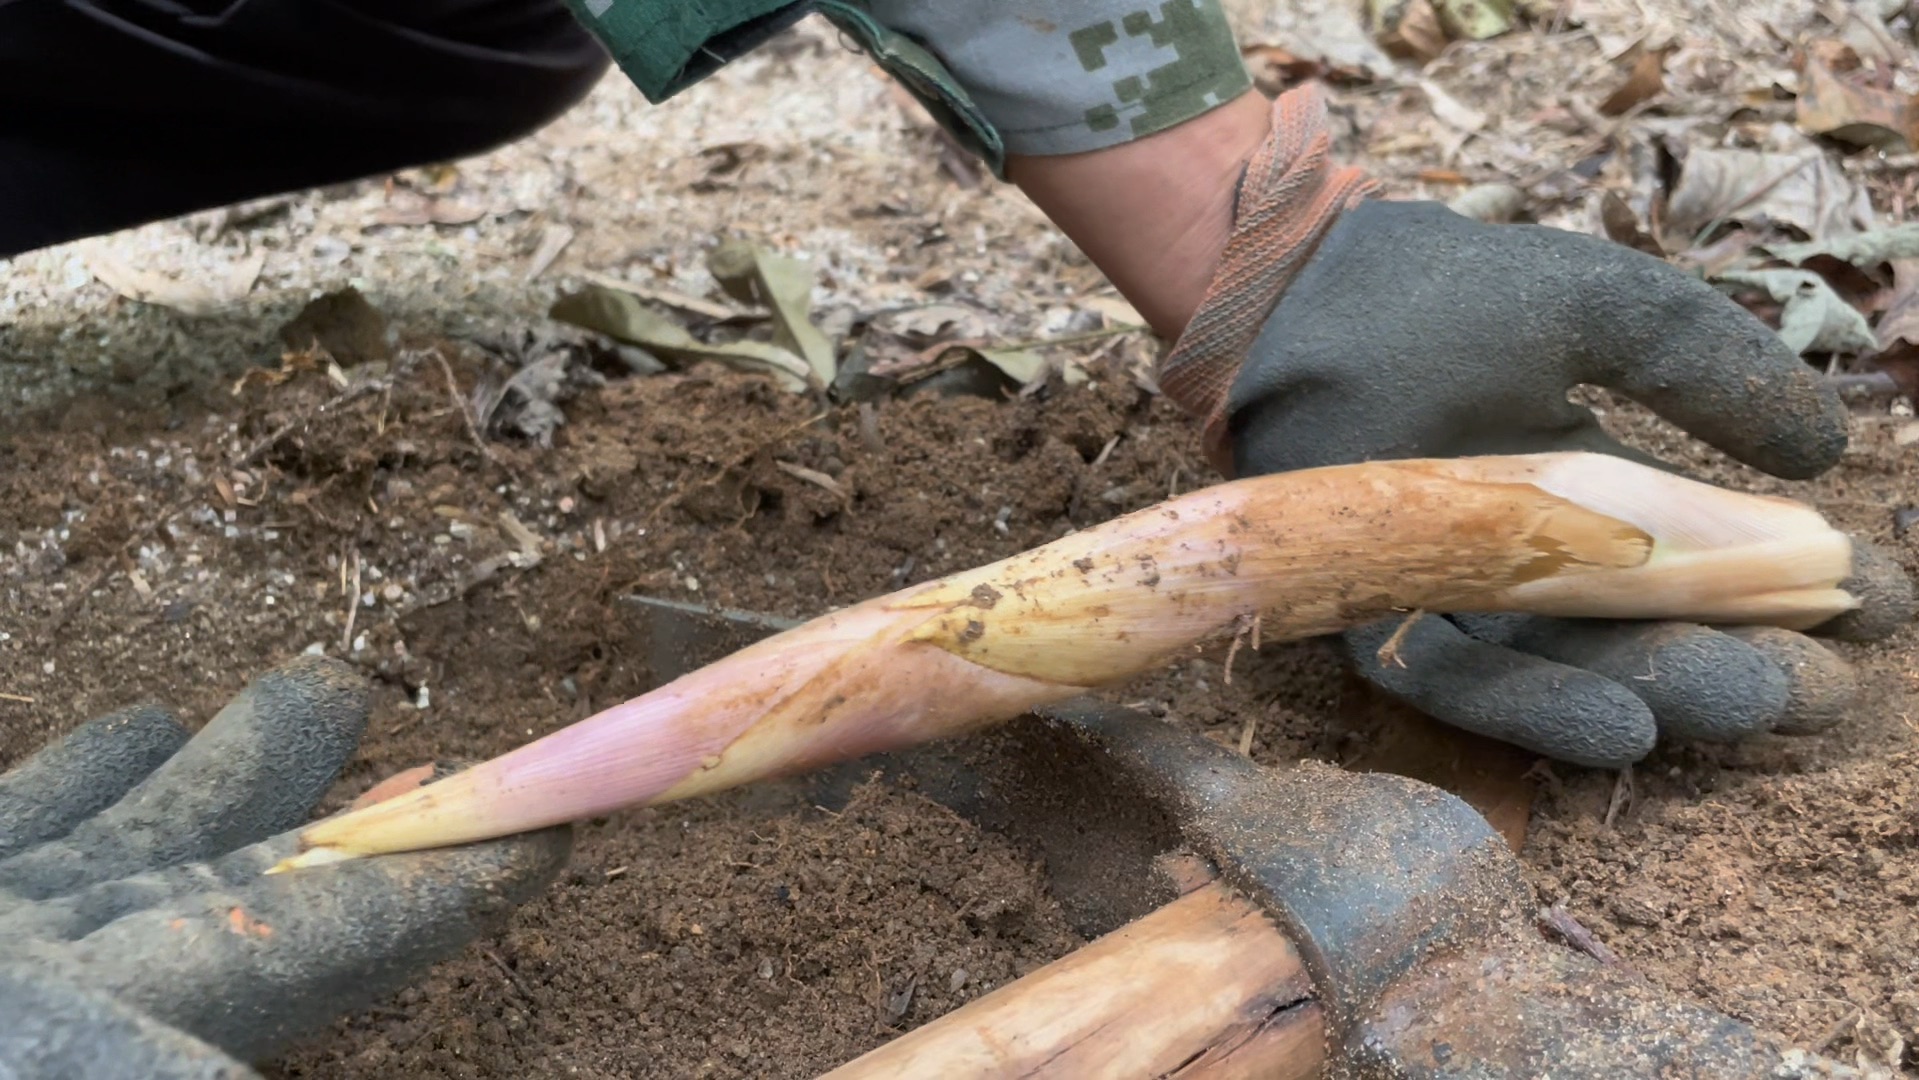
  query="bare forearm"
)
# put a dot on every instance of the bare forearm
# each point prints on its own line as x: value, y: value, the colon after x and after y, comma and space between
x: 1153, y: 214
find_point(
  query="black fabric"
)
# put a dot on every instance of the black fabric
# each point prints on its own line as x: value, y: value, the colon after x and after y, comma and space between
x: 114, y: 113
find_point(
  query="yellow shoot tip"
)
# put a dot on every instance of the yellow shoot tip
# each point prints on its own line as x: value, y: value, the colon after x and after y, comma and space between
x: 307, y: 860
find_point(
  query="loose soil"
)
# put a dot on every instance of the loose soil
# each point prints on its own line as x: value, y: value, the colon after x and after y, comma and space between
x: 753, y: 935
x: 163, y: 536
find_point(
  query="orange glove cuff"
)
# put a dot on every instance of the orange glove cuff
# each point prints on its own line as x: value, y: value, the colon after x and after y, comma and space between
x: 1289, y: 197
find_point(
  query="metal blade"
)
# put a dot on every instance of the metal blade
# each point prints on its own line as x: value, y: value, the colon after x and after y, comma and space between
x: 675, y: 637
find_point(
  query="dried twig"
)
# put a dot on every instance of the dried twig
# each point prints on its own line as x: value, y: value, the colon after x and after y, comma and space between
x: 352, y: 605
x: 1560, y: 922
x: 816, y: 478
x: 466, y: 413
x: 1116, y: 330
x: 1389, y: 652
x: 512, y: 977
x: 1622, y: 796
x: 1868, y: 383
x: 1242, y: 627
x: 21, y: 698
x: 1105, y: 452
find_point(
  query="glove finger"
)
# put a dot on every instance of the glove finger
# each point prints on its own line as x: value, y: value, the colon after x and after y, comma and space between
x: 256, y: 769
x: 1689, y: 353
x: 83, y: 774
x: 77, y: 914
x: 56, y: 1031
x: 1885, y: 598
x: 1562, y: 712
x: 1823, y: 686
x: 1700, y: 684
x: 254, y: 965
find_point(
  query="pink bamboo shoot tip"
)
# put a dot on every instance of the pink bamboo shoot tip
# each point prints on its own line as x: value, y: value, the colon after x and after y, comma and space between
x: 1310, y: 552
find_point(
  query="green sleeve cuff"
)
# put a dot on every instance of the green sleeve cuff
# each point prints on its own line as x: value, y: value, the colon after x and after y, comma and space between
x: 665, y: 47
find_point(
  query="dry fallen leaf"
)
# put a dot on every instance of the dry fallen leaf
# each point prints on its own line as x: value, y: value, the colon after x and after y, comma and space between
x: 1276, y: 69
x: 1113, y: 310
x: 625, y: 317
x: 1407, y: 29
x: 553, y: 239
x: 1849, y: 109
x: 189, y: 295
x: 1451, y: 111
x: 1475, y: 20
x: 1328, y: 34
x: 1622, y: 225
x: 1864, y: 250
x: 659, y: 294
x: 783, y: 286
x: 1494, y: 203
x: 1805, y: 191
x: 411, y: 208
x: 1898, y: 328
x: 1900, y: 321
x: 928, y: 323
x: 1645, y: 81
x: 1813, y: 318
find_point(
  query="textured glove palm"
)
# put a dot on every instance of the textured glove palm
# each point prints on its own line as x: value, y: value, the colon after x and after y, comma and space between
x: 1413, y: 331
x: 1342, y: 328
x: 138, y: 936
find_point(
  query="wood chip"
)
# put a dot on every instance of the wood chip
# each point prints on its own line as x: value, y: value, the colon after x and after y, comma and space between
x: 815, y: 477
x: 553, y: 240
x: 523, y: 538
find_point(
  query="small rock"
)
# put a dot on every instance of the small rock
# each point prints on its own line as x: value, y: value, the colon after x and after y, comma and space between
x: 1640, y: 906
x: 343, y: 323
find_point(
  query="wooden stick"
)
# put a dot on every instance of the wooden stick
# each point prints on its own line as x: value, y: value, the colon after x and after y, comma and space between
x: 1205, y: 986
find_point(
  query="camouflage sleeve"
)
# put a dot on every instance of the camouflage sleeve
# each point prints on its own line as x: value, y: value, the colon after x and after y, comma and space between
x: 1065, y: 76
x: 1004, y: 76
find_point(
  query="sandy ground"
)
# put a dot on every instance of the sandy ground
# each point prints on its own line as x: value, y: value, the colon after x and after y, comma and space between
x: 750, y: 935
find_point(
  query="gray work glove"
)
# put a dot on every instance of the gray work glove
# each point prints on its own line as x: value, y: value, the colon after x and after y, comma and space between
x: 1415, y: 332
x: 138, y: 936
